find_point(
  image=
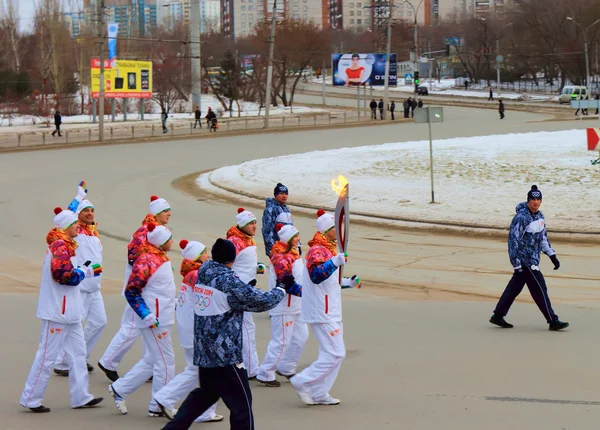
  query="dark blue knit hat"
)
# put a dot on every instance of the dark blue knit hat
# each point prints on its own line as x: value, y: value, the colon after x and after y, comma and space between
x: 223, y: 251
x: 280, y: 189
x: 534, y: 193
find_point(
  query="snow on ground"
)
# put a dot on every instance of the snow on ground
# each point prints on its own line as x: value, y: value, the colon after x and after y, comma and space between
x: 478, y: 180
x: 247, y: 109
x: 447, y: 87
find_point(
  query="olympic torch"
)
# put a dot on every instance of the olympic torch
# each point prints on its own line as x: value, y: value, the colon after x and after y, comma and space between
x: 342, y: 213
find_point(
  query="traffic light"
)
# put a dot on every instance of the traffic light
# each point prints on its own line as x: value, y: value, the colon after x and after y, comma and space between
x: 416, y: 81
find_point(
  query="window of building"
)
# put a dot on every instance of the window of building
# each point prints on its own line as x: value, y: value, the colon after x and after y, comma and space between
x: 351, y: 13
x: 243, y: 7
x: 359, y: 21
x: 351, y: 21
x: 359, y: 13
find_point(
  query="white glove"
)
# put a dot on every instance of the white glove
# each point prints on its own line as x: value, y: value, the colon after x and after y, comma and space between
x: 339, y: 260
x: 151, y: 320
x: 88, y: 271
x: 81, y: 192
x: 346, y: 283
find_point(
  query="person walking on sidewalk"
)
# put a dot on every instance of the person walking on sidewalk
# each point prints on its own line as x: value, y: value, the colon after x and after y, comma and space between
x: 501, y: 109
x: 392, y: 108
x: 218, y: 339
x: 197, y: 117
x: 491, y: 97
x: 406, y: 105
x: 381, y: 107
x: 57, y: 123
x: 526, y: 239
x: 163, y: 118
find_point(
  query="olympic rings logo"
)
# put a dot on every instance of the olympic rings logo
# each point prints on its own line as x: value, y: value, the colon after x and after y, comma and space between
x: 202, y: 302
x: 181, y: 299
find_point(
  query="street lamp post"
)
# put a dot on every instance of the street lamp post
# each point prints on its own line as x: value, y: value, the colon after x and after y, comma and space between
x: 386, y: 84
x: 270, y: 66
x: 585, y: 47
x: 415, y: 35
x: 497, y: 60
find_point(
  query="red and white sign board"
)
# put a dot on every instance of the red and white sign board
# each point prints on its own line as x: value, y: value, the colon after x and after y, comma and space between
x: 593, y: 139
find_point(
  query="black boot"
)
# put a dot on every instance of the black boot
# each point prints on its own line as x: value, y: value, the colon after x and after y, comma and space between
x: 557, y: 325
x: 40, y: 409
x: 110, y: 374
x: 95, y: 401
x: 500, y: 322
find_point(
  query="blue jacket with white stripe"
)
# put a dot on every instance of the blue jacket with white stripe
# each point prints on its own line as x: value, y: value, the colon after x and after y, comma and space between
x: 527, y: 238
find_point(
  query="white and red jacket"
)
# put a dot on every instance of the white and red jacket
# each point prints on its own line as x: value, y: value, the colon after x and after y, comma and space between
x: 186, y: 305
x: 89, y: 248
x: 285, y: 261
x: 246, y: 258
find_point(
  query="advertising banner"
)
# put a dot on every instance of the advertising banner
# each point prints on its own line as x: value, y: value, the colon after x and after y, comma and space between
x: 128, y: 79
x: 362, y: 69
x: 113, y: 30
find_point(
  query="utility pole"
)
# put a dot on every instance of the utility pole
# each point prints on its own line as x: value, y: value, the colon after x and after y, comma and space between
x: 270, y: 67
x: 100, y: 11
x: 386, y: 84
x: 498, y: 66
x: 196, y: 72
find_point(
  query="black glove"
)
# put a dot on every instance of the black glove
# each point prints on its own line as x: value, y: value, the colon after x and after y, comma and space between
x: 288, y: 283
x: 252, y: 282
x: 555, y: 261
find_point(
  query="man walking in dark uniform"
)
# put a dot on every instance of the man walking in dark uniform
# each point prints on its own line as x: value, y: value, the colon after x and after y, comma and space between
x: 501, y: 109
x: 373, y: 106
x: 57, y: 123
x: 380, y: 106
x: 527, y: 238
x: 197, y: 117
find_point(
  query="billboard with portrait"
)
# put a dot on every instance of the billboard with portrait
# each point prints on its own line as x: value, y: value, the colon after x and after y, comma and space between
x: 362, y: 69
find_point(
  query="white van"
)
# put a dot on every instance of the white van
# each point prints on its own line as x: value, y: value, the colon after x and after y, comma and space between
x: 573, y: 92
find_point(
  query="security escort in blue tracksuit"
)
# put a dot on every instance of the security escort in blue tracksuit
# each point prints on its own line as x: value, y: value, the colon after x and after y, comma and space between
x: 276, y: 212
x: 527, y: 238
x: 221, y: 299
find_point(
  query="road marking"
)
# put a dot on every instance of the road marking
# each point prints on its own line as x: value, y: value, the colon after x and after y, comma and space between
x: 548, y: 401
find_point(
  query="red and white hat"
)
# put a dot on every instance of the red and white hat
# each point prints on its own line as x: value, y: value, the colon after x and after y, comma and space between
x: 286, y: 232
x: 158, y: 235
x: 191, y: 250
x: 63, y: 219
x: 158, y: 205
x: 325, y: 221
x: 244, y: 217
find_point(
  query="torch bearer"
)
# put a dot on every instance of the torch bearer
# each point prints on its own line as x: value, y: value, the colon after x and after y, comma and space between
x: 342, y: 214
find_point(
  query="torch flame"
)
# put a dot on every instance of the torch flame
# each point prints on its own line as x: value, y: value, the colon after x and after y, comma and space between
x: 338, y: 185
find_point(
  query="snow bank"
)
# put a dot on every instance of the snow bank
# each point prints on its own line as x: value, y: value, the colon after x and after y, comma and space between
x: 478, y: 180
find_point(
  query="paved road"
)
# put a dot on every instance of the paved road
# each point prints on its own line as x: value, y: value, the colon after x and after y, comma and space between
x: 420, y: 352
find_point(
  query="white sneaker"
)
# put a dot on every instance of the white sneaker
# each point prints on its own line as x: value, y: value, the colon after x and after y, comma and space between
x: 214, y: 419
x: 168, y: 413
x: 155, y: 414
x: 303, y: 394
x: 119, y: 401
x: 327, y: 401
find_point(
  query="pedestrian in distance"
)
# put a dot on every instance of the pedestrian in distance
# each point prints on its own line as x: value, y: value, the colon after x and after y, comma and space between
x: 381, y: 106
x: 526, y: 240
x: 466, y: 84
x: 211, y: 119
x: 420, y: 104
x: 406, y: 106
x: 218, y: 339
x: 501, y: 109
x: 413, y: 106
x: 197, y: 117
x: 392, y: 109
x: 597, y: 98
x: 163, y: 118
x: 491, y: 97
x: 57, y: 123
x: 373, y: 106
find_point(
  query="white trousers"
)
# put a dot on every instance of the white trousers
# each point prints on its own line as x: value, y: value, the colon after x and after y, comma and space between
x: 54, y: 337
x: 249, y: 353
x: 288, y: 337
x: 122, y: 341
x: 95, y: 317
x: 318, y: 378
x: 181, y: 385
x: 158, y: 361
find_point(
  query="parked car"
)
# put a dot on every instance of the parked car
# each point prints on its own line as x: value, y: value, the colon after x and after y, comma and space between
x: 422, y: 91
x: 573, y: 92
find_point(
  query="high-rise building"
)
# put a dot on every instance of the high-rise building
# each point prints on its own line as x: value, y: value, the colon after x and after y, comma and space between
x: 239, y: 17
x: 179, y: 11
x: 135, y: 17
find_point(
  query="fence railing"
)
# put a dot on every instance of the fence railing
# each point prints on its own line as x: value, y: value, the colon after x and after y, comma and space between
x: 527, y: 85
x: 143, y: 130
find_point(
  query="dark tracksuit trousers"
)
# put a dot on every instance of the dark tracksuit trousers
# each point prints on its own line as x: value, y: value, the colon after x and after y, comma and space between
x: 537, y: 288
x: 228, y: 383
